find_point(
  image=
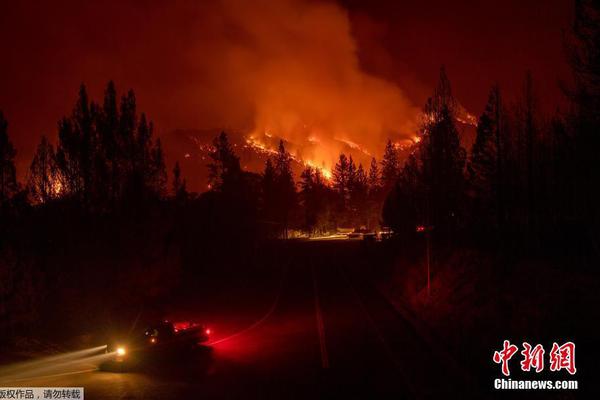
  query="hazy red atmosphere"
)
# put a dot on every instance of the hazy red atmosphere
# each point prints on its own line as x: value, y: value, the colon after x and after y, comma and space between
x: 299, y: 199
x: 350, y: 70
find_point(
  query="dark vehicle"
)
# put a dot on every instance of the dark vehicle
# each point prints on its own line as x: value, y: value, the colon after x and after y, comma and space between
x: 158, y: 341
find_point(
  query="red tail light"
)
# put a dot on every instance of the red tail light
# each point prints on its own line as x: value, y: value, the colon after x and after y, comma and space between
x: 207, y: 331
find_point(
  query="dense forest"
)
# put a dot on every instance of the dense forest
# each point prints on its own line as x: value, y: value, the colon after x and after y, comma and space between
x: 527, y: 178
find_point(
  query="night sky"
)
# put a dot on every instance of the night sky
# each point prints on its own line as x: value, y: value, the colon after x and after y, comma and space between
x: 240, y: 64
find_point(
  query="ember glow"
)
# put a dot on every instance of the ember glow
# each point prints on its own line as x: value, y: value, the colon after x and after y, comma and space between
x: 345, y: 69
x: 310, y: 88
x: 270, y: 150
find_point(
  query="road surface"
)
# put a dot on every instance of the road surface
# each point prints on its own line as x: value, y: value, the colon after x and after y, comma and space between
x: 327, y: 333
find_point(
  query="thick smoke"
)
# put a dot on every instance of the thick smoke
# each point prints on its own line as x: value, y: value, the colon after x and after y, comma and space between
x: 288, y: 67
x: 297, y: 63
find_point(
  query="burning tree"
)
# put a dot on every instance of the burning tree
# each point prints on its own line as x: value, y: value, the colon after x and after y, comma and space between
x: 43, y: 183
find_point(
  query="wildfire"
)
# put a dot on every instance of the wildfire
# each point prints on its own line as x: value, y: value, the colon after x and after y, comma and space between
x: 463, y: 116
x: 260, y: 147
x: 316, y: 149
x: 355, y: 146
x: 326, y: 173
x: 407, y: 143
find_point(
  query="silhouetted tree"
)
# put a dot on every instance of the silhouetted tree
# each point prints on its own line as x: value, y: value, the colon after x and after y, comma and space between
x: 68, y: 158
x: 431, y: 188
x: 390, y: 166
x: 109, y: 165
x: 442, y: 159
x: 43, y: 182
x: 484, y: 165
x: 158, y: 172
x: 374, y: 195
x: 341, y: 183
x: 83, y: 118
x: 126, y: 134
x: 179, y: 184
x: 358, y: 196
x: 106, y: 156
x: 8, y: 177
x: 142, y: 151
x: 269, y: 192
x: 374, y: 179
x: 307, y: 198
x: 315, y: 199
x: 285, y: 187
x: 224, y: 170
x: 529, y: 127
x: 405, y: 206
x: 583, y: 43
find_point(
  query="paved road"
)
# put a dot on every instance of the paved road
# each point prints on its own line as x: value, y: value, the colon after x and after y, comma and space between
x: 327, y: 333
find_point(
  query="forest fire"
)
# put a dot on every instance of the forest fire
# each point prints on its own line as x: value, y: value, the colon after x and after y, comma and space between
x: 342, y: 214
x: 262, y: 148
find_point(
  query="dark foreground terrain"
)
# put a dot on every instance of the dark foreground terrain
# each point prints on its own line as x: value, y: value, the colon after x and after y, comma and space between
x: 325, y: 333
x: 319, y: 329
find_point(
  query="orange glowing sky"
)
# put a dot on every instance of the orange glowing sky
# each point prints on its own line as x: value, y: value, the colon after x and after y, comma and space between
x: 335, y: 71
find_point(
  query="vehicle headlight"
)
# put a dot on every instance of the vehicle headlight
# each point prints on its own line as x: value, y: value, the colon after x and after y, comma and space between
x: 121, y: 351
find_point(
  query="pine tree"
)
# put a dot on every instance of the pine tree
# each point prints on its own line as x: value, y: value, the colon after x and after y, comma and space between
x: 108, y: 125
x: 530, y: 133
x: 405, y: 207
x: 126, y: 132
x: 341, y: 180
x: 374, y: 180
x: 307, y: 197
x: 390, y: 166
x: 374, y: 195
x: 8, y: 176
x: 315, y: 196
x: 358, y: 196
x: 143, y: 144
x: 68, y: 158
x: 43, y: 182
x: 269, y: 191
x: 158, y: 183
x: 484, y: 163
x: 83, y: 119
x: 179, y: 184
x: 106, y: 155
x: 224, y: 170
x: 351, y: 174
x: 285, y: 186
x: 442, y: 159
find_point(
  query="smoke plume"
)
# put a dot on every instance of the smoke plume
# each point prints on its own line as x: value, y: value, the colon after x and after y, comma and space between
x: 288, y: 68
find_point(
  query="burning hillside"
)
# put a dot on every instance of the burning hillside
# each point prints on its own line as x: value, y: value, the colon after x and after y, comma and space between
x: 192, y: 148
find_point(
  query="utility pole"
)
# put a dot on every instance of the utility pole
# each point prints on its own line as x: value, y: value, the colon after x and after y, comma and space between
x: 426, y: 231
x: 428, y: 257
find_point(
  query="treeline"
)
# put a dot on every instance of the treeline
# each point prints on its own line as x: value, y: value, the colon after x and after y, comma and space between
x: 105, y: 159
x: 525, y: 176
x: 350, y: 198
x: 524, y: 173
